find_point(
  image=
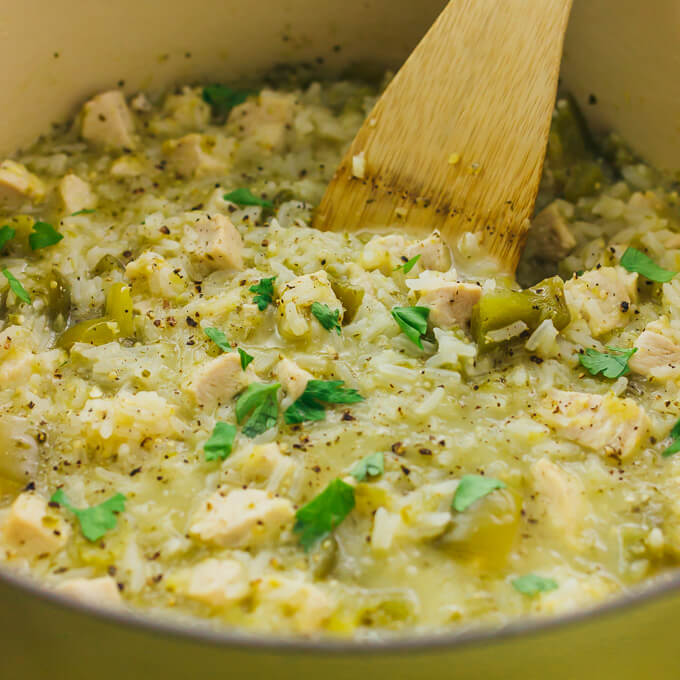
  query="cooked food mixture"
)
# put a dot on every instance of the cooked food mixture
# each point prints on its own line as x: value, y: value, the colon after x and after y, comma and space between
x: 210, y: 410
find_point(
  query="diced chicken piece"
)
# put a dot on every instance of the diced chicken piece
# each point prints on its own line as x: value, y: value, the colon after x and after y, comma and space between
x: 18, y: 184
x: 183, y: 112
x: 305, y: 604
x: 451, y: 302
x: 606, y: 424
x: 561, y: 498
x: 658, y: 352
x: 297, y: 298
x: 100, y: 592
x: 241, y: 518
x: 434, y: 253
x: 127, y: 166
x: 140, y: 102
x: 16, y: 359
x: 218, y: 583
x: 549, y: 236
x: 266, y: 119
x: 603, y: 297
x: 30, y: 531
x: 219, y: 380
x: 76, y: 194
x: 266, y: 465
x: 215, y: 242
x: 107, y: 121
x: 197, y: 155
x: 384, y: 253
x: 159, y: 276
x: 19, y: 455
x: 293, y: 378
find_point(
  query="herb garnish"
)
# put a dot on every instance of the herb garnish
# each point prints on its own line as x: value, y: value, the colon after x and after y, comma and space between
x: 219, y: 338
x: 245, y: 358
x: 372, y: 465
x: 97, y: 520
x: 43, y: 235
x: 245, y: 196
x: 324, y: 513
x: 311, y: 404
x: 473, y: 487
x: 531, y: 584
x: 408, y: 265
x: 636, y: 261
x: 223, y: 99
x: 221, y: 441
x: 612, y: 364
x: 264, y: 292
x: 674, y: 446
x: 412, y: 321
x: 258, y: 400
x: 6, y: 235
x: 16, y: 286
x: 328, y: 318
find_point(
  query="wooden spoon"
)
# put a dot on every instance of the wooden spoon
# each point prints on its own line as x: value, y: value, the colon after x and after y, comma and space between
x: 457, y: 140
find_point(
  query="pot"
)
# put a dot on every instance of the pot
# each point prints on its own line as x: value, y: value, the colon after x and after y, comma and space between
x: 621, y: 62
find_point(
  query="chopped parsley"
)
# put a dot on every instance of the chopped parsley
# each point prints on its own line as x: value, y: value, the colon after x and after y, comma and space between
x: 612, y: 364
x: 327, y: 317
x: 674, y: 446
x: 324, y: 513
x: 97, y: 520
x: 223, y: 99
x: 370, y: 466
x: 412, y: 321
x: 264, y: 292
x: 16, y: 286
x: 219, y: 338
x: 258, y: 400
x: 635, y: 260
x: 531, y: 585
x: 6, y: 235
x: 311, y: 404
x: 408, y: 265
x: 221, y: 441
x: 473, y: 487
x: 246, y: 197
x: 43, y: 235
x: 245, y: 358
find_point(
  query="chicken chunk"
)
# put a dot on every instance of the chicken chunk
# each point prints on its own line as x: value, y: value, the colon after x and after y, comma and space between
x: 549, y: 236
x: 450, y: 302
x: 603, y: 297
x: 219, y: 381
x: 107, y: 121
x: 100, y: 592
x: 384, y: 253
x: 560, y: 497
x: 30, y: 531
x: 215, y: 242
x: 218, y: 583
x: 658, y: 352
x: 76, y: 194
x: 606, y: 424
x: 196, y: 155
x: 159, y: 276
x: 18, y: 184
x: 266, y: 465
x: 297, y: 298
x: 19, y: 454
x: 16, y: 359
x: 433, y: 251
x: 293, y: 378
x: 241, y: 518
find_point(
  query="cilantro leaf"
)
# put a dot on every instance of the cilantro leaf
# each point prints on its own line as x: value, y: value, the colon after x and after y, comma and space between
x: 315, y: 520
x: 674, y: 446
x: 6, y: 235
x: 221, y: 441
x: 264, y: 292
x: 370, y: 466
x: 84, y: 211
x: 219, y: 338
x: 223, y: 99
x: 407, y: 266
x: 43, y: 235
x: 612, y: 364
x: 245, y: 358
x: 636, y: 261
x: 311, y: 404
x: 16, y: 286
x: 258, y: 400
x: 245, y: 196
x: 473, y: 487
x: 531, y: 584
x: 97, y: 520
x: 328, y: 318
x: 412, y: 321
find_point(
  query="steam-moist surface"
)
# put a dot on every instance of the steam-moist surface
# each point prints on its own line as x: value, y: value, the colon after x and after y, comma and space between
x: 137, y: 190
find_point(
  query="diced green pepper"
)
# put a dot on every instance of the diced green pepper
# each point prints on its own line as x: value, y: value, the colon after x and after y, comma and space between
x: 119, y: 308
x: 93, y: 332
x: 548, y: 296
x: 107, y: 264
x: 58, y: 300
x: 351, y: 297
x: 583, y: 179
